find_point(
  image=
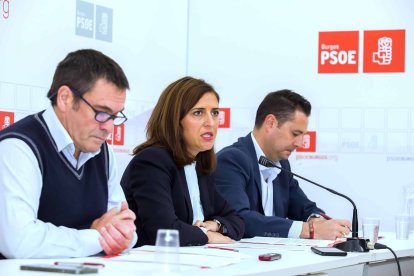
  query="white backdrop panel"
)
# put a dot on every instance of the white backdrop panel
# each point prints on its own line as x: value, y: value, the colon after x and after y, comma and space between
x: 249, y: 48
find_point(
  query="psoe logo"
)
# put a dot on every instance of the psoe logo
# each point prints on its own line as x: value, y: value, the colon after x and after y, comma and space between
x: 5, y: 8
x: 224, y: 117
x: 309, y: 142
x: 84, y: 18
x: 338, y: 52
x: 6, y: 119
x: 384, y: 51
x: 90, y: 18
x: 117, y: 136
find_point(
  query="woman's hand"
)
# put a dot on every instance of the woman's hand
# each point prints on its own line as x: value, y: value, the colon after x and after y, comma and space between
x: 209, y: 225
x: 215, y: 237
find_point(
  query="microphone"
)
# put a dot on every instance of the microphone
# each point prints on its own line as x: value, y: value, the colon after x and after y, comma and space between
x: 353, y: 244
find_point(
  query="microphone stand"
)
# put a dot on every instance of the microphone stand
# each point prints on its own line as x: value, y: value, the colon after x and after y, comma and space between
x: 353, y: 244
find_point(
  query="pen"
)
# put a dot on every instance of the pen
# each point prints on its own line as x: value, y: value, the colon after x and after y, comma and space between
x: 223, y: 248
x: 80, y: 264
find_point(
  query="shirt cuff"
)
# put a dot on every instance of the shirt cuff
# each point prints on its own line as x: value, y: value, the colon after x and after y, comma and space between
x: 89, y: 238
x: 204, y: 230
x: 295, y: 229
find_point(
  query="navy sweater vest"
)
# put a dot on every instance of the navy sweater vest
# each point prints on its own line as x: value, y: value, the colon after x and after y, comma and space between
x: 69, y: 197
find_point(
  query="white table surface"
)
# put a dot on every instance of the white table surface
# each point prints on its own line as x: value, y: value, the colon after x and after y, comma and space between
x: 293, y: 262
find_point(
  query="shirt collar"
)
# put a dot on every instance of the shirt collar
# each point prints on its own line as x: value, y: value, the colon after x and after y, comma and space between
x: 259, y: 152
x: 191, y: 166
x: 59, y: 134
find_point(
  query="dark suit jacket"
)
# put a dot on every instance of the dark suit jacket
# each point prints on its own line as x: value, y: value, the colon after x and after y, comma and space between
x: 156, y: 190
x: 238, y: 180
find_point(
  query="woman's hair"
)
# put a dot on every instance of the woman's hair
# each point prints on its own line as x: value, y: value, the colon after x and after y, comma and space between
x: 164, y: 127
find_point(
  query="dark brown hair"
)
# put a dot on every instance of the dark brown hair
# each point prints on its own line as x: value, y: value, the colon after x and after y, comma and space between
x: 81, y: 69
x: 164, y: 127
x: 282, y: 104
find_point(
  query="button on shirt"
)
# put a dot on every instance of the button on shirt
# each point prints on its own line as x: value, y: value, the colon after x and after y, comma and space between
x: 267, y: 176
x: 20, y: 190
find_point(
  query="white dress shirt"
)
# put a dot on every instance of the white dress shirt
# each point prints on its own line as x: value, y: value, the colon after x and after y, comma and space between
x: 267, y: 175
x: 194, y: 190
x: 22, y: 235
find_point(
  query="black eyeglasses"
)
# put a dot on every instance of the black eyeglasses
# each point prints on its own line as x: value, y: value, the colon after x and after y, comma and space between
x: 101, y: 116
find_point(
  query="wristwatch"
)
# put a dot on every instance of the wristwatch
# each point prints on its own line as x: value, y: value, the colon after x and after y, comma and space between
x: 314, y: 216
x: 219, y: 225
x: 222, y: 229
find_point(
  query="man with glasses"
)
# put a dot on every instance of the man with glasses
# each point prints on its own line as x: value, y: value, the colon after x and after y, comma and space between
x: 59, y: 195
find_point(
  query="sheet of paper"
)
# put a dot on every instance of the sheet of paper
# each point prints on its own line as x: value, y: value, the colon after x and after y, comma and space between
x: 190, y: 257
x: 281, y: 244
x: 287, y: 241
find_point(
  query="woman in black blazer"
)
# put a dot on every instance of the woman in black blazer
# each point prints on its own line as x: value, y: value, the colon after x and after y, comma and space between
x: 168, y: 183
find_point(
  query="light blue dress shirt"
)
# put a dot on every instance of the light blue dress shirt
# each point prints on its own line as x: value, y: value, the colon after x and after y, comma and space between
x: 194, y: 190
x: 267, y: 191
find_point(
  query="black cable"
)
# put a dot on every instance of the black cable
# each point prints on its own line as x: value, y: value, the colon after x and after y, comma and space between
x: 383, y: 246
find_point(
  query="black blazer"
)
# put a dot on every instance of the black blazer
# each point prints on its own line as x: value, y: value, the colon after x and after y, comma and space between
x: 238, y: 180
x: 156, y: 190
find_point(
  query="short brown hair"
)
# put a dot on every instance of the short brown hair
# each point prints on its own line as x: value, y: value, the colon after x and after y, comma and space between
x: 164, y: 126
x: 81, y: 69
x: 282, y: 104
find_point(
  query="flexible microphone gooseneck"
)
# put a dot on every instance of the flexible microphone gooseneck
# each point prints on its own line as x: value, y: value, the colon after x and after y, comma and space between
x: 353, y: 244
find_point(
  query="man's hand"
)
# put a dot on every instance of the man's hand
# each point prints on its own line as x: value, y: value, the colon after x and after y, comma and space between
x: 327, y: 229
x: 116, y: 229
x: 331, y: 229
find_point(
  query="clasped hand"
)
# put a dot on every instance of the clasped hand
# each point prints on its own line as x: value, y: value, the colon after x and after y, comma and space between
x: 117, y: 229
x: 212, y: 234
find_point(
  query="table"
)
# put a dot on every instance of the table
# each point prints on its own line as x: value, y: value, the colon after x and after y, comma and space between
x: 296, y: 260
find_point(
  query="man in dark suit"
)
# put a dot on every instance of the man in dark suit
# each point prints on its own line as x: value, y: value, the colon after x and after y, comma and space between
x: 269, y: 200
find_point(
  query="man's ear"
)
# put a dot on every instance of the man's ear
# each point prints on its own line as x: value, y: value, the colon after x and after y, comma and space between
x: 270, y: 121
x: 64, y: 98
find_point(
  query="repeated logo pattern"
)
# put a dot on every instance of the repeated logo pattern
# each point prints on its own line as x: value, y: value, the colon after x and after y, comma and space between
x: 338, y: 52
x: 384, y: 51
x: 87, y: 21
x: 224, y: 117
x: 117, y: 136
x: 6, y: 119
x: 309, y: 142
